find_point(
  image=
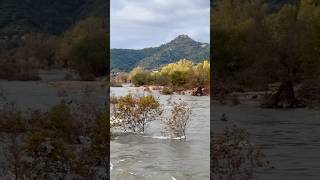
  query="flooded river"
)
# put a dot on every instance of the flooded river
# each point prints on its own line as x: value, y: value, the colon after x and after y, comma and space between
x: 152, y: 156
x: 42, y: 95
x: 290, y: 139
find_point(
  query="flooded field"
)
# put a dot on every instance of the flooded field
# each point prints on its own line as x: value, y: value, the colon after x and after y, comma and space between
x: 153, y: 156
x: 289, y: 138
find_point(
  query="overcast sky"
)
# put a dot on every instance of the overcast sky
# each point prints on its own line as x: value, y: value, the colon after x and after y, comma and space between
x: 138, y: 24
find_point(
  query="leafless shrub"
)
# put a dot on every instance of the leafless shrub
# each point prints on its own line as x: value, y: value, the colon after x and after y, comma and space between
x: 234, y: 157
x: 177, y: 124
x: 14, y: 156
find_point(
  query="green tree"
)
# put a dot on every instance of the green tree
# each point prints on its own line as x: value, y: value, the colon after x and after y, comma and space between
x: 178, y: 78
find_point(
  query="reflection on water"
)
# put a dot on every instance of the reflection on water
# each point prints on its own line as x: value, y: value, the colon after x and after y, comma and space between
x: 149, y: 156
x: 290, y: 139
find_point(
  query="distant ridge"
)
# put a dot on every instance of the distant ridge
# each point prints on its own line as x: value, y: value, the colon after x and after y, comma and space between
x: 48, y: 16
x: 182, y: 47
x: 53, y: 17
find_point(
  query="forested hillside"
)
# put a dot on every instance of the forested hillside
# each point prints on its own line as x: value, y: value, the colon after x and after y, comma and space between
x: 20, y: 17
x: 53, y: 34
x: 52, y: 16
x: 182, y: 47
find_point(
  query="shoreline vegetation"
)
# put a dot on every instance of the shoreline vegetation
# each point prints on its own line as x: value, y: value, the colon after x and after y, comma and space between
x: 256, y: 47
x: 183, y: 77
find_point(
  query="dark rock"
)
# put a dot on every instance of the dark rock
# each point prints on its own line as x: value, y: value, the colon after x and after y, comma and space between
x: 198, y: 92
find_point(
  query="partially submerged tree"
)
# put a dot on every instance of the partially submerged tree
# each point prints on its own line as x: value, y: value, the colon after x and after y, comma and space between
x: 133, y: 113
x: 176, y: 125
x: 234, y: 157
x: 62, y: 143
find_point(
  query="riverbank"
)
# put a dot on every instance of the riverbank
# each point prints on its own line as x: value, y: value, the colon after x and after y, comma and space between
x: 276, y: 95
x: 167, y: 90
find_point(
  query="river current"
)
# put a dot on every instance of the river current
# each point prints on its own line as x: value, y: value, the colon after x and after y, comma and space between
x: 152, y: 156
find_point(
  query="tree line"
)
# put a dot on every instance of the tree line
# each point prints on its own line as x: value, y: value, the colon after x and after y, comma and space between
x: 255, y: 45
x: 82, y: 48
x: 182, y: 74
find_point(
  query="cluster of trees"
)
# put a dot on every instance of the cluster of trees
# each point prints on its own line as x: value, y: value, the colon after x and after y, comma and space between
x: 83, y: 48
x: 254, y: 45
x: 62, y: 143
x: 183, y: 73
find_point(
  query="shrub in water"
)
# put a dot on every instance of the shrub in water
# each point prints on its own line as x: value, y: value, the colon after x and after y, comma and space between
x: 133, y: 113
x: 234, y: 157
x: 167, y: 91
x: 180, y: 118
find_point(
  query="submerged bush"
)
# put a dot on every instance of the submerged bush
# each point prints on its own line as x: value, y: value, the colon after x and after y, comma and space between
x: 180, y: 118
x: 234, y: 157
x: 133, y: 113
x: 166, y: 91
x: 67, y: 141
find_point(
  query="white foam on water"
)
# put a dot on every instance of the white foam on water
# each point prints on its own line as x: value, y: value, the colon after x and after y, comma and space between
x: 167, y: 137
x: 173, y: 178
x: 111, y: 166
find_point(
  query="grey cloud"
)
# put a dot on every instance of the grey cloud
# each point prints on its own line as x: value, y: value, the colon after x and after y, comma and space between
x: 145, y: 23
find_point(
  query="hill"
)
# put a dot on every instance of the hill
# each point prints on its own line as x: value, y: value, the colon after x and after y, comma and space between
x: 182, y: 47
x: 54, y: 17
x: 51, y: 16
